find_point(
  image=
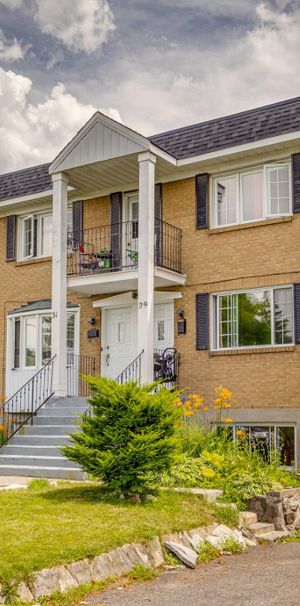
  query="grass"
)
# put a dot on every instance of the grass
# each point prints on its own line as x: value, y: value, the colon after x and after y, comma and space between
x: 208, y: 552
x: 51, y: 526
x: 231, y: 545
x: 227, y: 515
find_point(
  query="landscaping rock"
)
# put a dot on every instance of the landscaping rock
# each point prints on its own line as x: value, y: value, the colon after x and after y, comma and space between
x: 187, y: 555
x: 24, y: 593
x: 221, y: 533
x: 81, y: 571
x: 210, y: 495
x: 271, y: 537
x: 137, y: 554
x: 196, y: 539
x: 155, y: 552
x: 45, y: 583
x: 279, y: 507
x: 250, y: 543
x: 247, y: 517
x: 261, y: 528
x: 65, y: 580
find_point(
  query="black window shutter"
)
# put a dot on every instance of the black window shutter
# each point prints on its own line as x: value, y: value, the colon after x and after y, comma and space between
x: 202, y: 183
x: 10, y: 237
x: 77, y: 213
x: 116, y: 228
x: 202, y: 323
x: 158, y: 228
x: 296, y: 182
x: 297, y: 312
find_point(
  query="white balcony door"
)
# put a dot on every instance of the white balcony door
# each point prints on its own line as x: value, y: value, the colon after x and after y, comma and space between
x: 131, y: 230
x: 118, y: 349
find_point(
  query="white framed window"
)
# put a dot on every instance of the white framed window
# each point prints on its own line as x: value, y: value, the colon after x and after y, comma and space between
x: 252, y: 195
x: 253, y: 318
x: 31, y: 339
x: 35, y: 236
x: 279, y: 438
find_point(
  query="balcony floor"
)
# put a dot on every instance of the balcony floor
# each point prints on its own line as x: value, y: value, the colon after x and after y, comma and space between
x: 120, y: 281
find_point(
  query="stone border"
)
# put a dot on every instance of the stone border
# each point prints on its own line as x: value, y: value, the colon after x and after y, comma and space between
x: 114, y: 563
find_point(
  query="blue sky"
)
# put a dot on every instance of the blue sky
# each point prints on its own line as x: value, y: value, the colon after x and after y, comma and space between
x: 152, y: 64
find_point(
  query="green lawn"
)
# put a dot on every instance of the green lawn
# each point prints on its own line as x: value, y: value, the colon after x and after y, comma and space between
x: 58, y: 525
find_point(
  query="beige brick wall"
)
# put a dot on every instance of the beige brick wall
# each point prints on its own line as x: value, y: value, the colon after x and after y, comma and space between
x: 265, y: 255
x: 31, y: 281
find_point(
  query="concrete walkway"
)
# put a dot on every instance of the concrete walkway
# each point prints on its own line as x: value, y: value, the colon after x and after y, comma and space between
x: 264, y: 576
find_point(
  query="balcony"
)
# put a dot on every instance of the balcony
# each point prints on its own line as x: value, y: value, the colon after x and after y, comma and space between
x: 105, y: 259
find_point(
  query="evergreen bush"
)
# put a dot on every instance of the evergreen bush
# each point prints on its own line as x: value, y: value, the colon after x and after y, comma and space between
x: 129, y: 436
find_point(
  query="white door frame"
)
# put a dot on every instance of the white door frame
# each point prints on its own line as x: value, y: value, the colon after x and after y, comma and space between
x: 126, y: 300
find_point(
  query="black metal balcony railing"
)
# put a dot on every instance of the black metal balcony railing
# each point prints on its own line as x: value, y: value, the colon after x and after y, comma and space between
x: 115, y: 247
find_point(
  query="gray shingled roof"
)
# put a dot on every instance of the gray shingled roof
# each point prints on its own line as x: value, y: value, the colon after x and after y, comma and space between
x: 27, y: 181
x: 195, y: 140
x: 42, y: 305
x: 245, y: 127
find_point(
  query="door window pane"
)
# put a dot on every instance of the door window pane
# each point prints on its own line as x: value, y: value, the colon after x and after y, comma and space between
x: 17, y: 343
x: 71, y: 333
x: 285, y: 445
x: 161, y: 330
x: 278, y: 187
x: 252, y: 196
x: 30, y: 340
x: 46, y: 235
x: 226, y: 201
x: 283, y: 311
x: 46, y: 339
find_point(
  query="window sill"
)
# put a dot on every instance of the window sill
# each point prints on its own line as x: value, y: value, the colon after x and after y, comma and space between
x: 260, y: 223
x: 252, y: 350
x: 33, y: 261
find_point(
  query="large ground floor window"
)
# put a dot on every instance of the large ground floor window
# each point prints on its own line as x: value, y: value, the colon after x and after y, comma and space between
x: 270, y: 438
x: 31, y: 339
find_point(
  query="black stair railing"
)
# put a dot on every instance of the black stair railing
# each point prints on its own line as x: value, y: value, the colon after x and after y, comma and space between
x: 166, y: 366
x: 25, y: 403
x: 78, y: 365
x: 132, y: 372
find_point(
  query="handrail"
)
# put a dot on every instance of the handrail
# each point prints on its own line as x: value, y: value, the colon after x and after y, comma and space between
x: 33, y: 394
x: 78, y: 365
x: 132, y: 372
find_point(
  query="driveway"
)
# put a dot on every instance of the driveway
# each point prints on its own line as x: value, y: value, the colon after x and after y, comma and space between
x: 263, y: 576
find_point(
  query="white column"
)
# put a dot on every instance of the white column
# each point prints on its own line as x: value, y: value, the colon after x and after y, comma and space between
x: 146, y: 264
x: 59, y: 283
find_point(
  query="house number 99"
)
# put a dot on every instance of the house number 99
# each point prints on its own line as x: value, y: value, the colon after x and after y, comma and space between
x: 143, y: 304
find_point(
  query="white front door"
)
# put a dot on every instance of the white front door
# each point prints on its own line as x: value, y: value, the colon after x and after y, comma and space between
x: 119, y: 345
x: 163, y: 325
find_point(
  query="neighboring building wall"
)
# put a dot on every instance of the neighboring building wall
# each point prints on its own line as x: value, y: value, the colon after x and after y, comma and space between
x: 226, y: 259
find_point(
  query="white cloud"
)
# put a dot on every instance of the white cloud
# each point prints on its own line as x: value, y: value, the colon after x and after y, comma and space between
x: 81, y: 25
x: 35, y: 133
x: 12, y: 3
x: 257, y: 68
x: 10, y: 51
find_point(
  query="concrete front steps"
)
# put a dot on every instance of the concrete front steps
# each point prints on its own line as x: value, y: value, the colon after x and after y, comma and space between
x: 35, y: 449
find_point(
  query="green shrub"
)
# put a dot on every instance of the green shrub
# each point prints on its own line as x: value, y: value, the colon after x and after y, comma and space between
x: 209, y: 458
x: 208, y: 552
x: 231, y: 545
x: 129, y: 436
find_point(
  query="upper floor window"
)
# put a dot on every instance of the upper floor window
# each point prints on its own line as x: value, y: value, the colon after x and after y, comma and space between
x: 252, y: 195
x: 260, y: 317
x: 35, y: 236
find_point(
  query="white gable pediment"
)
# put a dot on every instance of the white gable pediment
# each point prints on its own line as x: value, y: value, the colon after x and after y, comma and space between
x: 101, y: 138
